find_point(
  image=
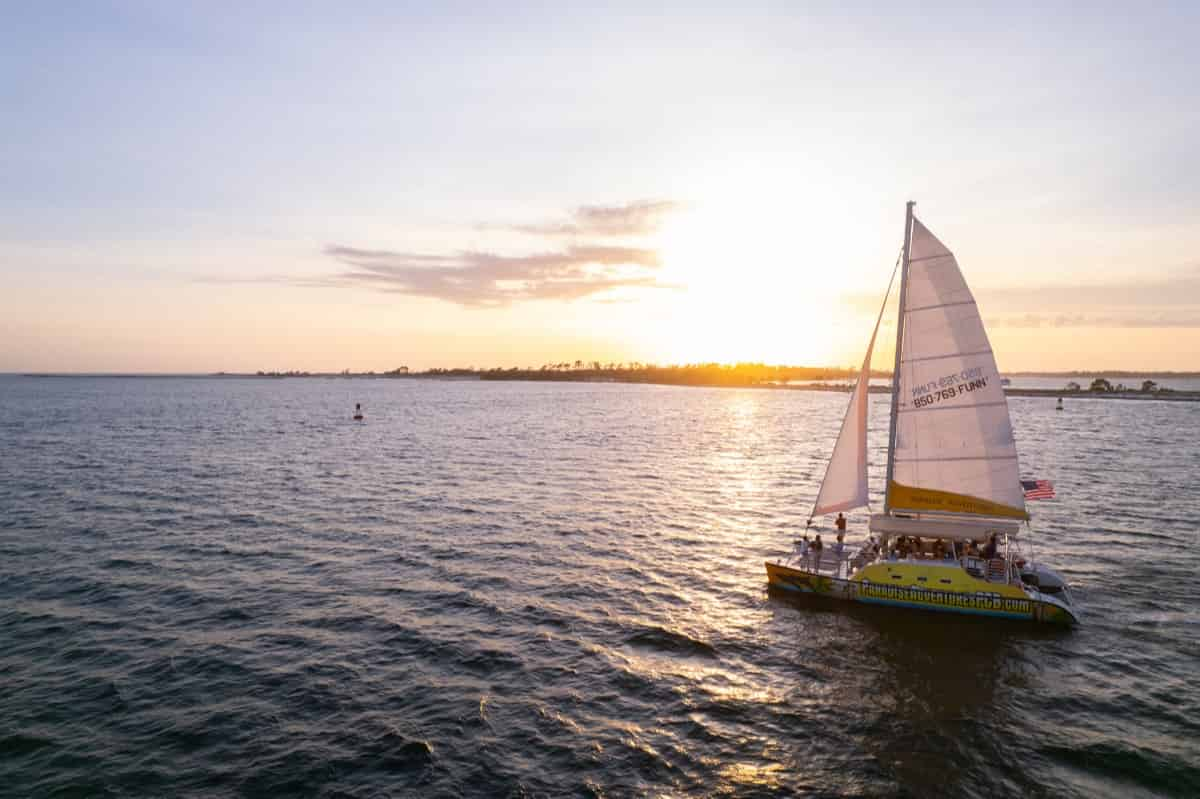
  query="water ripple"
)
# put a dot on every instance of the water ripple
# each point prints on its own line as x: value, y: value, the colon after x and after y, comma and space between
x: 226, y: 588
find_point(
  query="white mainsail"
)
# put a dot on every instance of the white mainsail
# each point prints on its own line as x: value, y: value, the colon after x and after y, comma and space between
x: 954, y: 449
x: 844, y: 486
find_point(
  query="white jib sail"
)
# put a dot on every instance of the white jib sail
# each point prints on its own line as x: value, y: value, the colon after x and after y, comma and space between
x: 953, y: 429
x: 844, y: 486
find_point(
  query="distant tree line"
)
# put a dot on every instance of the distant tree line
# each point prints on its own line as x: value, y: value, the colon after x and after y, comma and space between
x: 1102, y: 385
x: 692, y: 374
x: 698, y: 374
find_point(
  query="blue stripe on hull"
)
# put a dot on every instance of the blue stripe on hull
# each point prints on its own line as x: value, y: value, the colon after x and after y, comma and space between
x: 792, y: 587
x: 789, y: 586
x: 944, y: 608
x: 837, y: 587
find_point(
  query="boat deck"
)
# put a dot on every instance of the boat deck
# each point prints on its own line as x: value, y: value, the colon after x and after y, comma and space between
x: 995, y: 570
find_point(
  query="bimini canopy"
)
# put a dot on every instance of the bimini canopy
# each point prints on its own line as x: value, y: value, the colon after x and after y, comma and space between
x: 958, y: 529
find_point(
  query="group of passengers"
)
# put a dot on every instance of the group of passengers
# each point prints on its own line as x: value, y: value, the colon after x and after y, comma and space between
x: 906, y: 547
x: 912, y: 547
x: 811, y: 554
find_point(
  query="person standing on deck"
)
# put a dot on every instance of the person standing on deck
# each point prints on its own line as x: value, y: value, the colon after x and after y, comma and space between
x: 989, y: 551
x: 840, y: 523
x: 839, y: 550
x: 817, y: 546
x: 802, y: 549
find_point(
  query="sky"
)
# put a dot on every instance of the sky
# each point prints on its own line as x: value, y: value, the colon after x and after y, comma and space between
x: 233, y: 187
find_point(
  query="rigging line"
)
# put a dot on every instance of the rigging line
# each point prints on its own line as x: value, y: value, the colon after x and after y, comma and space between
x: 947, y: 355
x: 959, y: 458
x: 866, y: 388
x: 897, y: 368
x: 942, y: 305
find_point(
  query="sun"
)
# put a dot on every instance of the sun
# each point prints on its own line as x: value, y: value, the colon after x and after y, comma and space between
x: 750, y: 291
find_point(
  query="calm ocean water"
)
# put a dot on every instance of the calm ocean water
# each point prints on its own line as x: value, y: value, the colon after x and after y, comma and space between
x: 225, y: 587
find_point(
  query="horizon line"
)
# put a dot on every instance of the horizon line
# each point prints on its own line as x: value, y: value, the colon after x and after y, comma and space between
x: 394, y: 373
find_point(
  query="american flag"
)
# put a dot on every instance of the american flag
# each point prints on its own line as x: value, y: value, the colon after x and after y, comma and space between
x: 1038, y: 489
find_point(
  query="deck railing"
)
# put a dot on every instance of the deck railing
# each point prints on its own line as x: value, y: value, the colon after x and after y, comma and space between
x: 993, y: 570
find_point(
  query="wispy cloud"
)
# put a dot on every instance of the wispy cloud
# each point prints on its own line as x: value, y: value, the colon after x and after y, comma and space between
x: 484, y: 279
x: 634, y: 219
x: 1162, y: 302
x: 1096, y: 320
x: 1182, y: 288
x: 481, y: 279
x: 276, y: 280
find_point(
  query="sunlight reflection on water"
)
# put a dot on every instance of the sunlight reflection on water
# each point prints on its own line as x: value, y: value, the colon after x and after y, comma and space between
x: 553, y: 589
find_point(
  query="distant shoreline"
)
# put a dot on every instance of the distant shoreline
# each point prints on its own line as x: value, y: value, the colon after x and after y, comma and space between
x: 796, y: 372
x: 688, y: 377
x: 1172, y: 395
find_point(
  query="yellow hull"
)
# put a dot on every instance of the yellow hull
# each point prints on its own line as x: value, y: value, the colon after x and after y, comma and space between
x: 925, y: 585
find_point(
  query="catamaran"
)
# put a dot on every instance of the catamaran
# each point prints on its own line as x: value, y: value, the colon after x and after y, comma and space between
x: 948, y: 537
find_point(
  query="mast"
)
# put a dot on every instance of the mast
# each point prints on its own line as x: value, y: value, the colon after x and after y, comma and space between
x: 908, y: 217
